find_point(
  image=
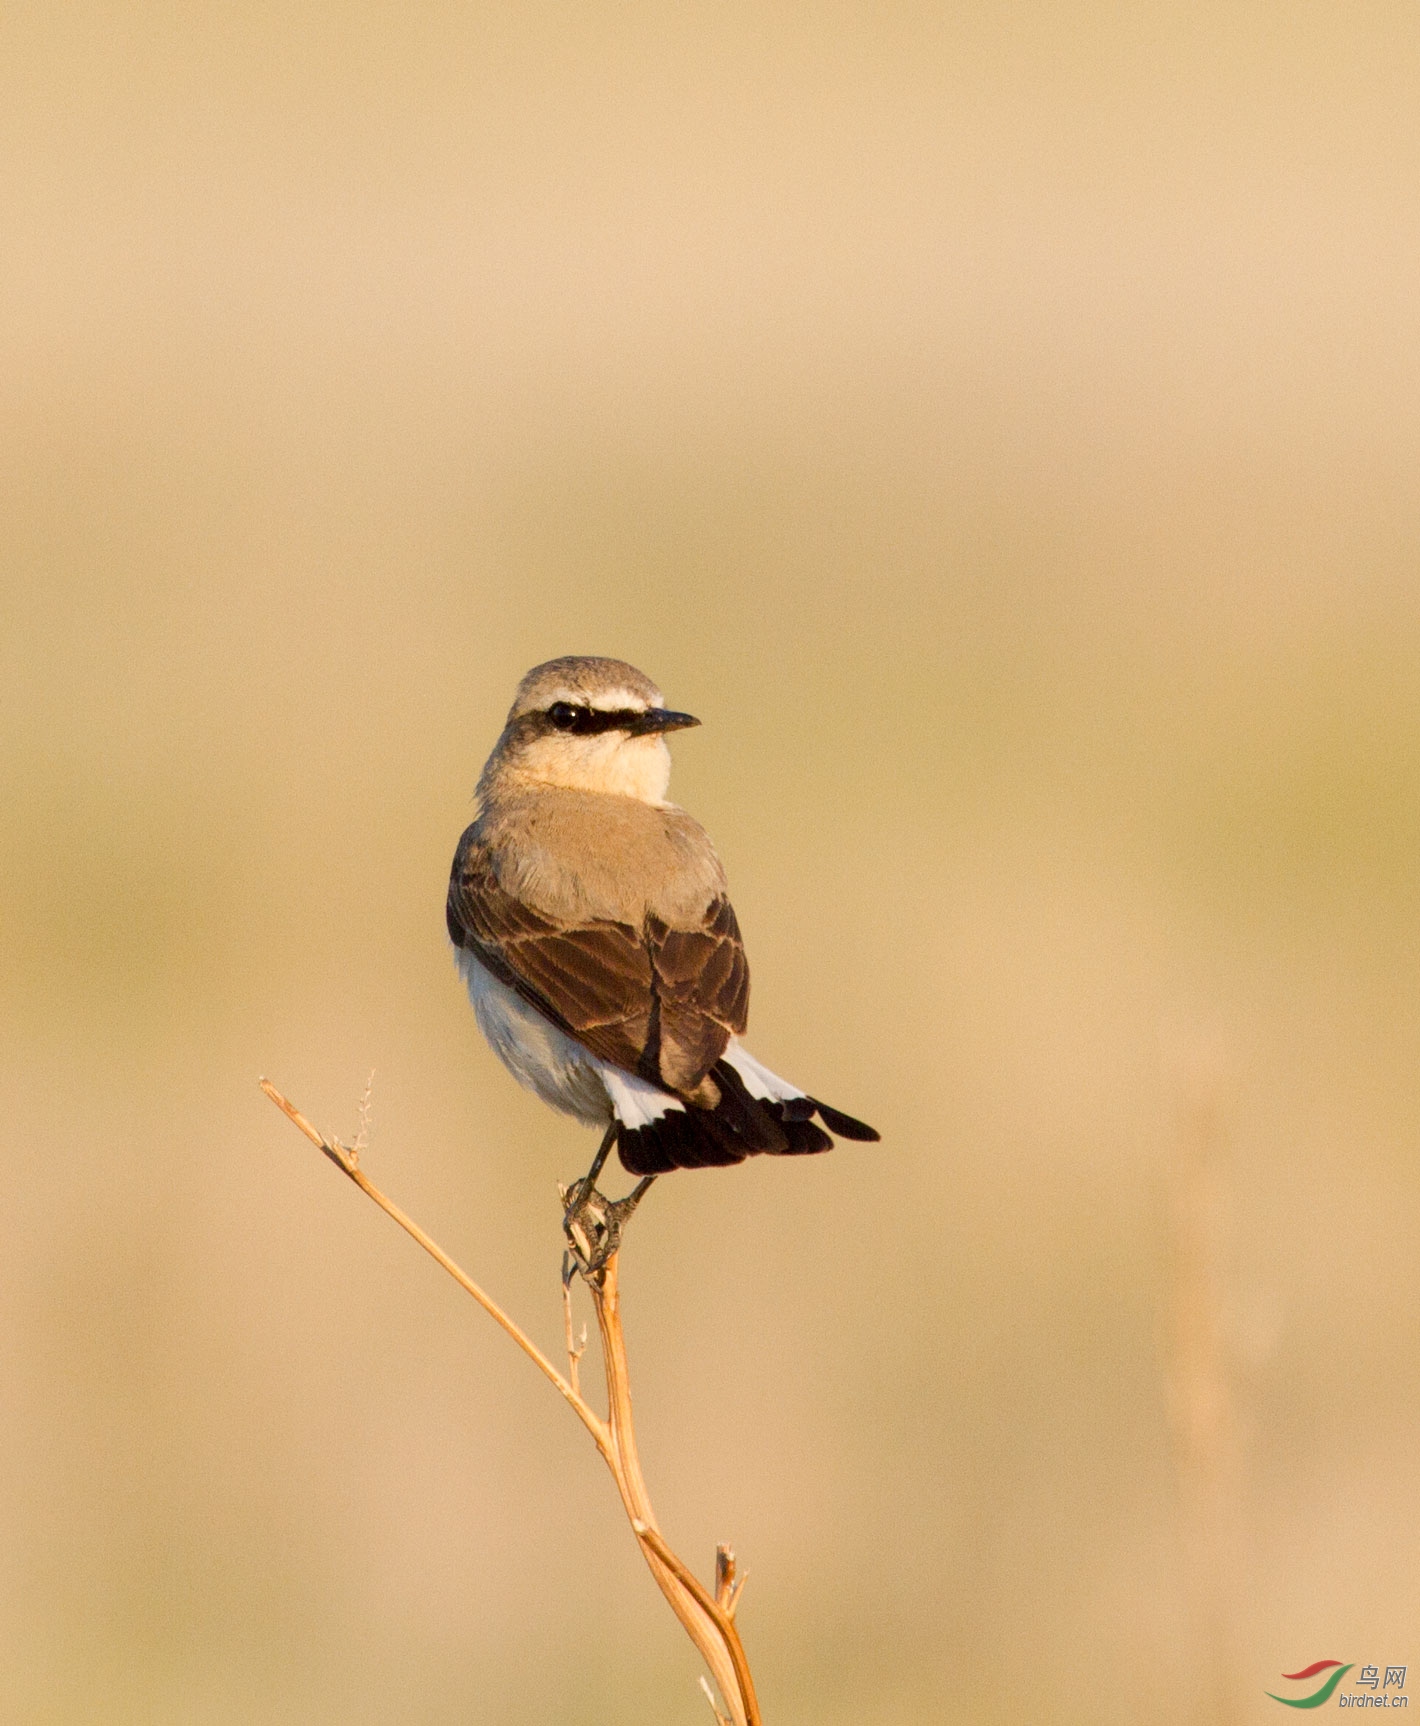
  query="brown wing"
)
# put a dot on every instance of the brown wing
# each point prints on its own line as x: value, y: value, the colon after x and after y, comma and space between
x: 658, y: 1001
x: 702, y: 992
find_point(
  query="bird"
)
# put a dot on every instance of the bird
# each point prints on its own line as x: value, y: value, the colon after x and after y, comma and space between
x: 592, y: 926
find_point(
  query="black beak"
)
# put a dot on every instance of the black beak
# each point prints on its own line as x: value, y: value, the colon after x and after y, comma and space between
x: 662, y: 719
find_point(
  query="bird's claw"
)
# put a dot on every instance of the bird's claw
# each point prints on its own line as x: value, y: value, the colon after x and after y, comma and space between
x: 593, y: 1224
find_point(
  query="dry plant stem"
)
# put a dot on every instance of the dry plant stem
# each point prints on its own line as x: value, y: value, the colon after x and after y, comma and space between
x: 345, y: 1162
x: 1201, y: 1385
x: 708, y: 1621
x: 709, y: 1627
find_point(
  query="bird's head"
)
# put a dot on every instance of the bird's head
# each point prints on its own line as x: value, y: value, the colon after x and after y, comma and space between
x: 588, y: 724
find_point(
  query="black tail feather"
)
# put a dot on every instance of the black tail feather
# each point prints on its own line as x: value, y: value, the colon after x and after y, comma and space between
x: 737, y: 1127
x: 844, y: 1125
x: 678, y: 1139
x: 806, y: 1138
x: 746, y: 1116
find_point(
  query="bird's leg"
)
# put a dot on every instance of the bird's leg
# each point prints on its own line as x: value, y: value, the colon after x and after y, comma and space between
x: 592, y: 1222
x: 575, y: 1196
x: 624, y: 1207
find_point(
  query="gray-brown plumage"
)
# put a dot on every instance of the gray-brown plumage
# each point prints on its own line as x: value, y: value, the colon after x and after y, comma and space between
x: 594, y: 931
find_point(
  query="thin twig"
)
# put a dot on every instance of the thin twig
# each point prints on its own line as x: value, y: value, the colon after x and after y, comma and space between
x: 707, y: 1619
x: 341, y: 1158
x: 575, y: 1348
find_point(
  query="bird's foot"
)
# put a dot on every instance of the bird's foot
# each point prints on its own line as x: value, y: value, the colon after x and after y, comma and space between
x: 593, y: 1223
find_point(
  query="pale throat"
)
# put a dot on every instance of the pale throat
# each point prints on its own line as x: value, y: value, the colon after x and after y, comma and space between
x: 614, y: 765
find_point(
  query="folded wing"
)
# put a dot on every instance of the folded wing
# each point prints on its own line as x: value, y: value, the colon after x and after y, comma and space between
x: 658, y: 1001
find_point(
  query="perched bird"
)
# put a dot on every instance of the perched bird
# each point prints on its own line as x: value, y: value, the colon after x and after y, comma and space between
x: 591, y: 925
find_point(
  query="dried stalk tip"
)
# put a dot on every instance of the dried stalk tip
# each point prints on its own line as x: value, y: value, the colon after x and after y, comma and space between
x: 331, y: 1146
x: 729, y: 1580
x: 724, y: 1573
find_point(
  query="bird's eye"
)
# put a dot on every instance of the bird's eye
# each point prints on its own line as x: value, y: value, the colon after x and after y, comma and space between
x: 563, y: 715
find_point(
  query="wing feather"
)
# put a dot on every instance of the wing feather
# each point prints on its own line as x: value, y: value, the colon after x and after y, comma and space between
x: 660, y: 1001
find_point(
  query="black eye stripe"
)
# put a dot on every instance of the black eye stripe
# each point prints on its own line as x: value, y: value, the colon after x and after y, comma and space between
x: 582, y: 721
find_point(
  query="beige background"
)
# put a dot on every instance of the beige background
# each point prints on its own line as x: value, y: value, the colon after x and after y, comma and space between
x: 1001, y: 425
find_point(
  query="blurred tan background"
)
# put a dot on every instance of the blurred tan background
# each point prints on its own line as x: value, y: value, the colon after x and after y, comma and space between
x: 1002, y: 425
